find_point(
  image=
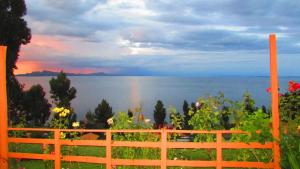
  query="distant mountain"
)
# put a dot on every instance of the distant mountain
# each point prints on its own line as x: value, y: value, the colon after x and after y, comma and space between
x: 50, y: 73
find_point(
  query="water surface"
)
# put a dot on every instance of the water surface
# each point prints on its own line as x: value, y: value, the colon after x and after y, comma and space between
x: 123, y: 92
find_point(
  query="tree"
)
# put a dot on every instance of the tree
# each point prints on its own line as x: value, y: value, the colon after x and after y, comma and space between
x: 159, y: 114
x: 187, y: 117
x: 193, y: 106
x: 36, y: 107
x: 61, y: 91
x: 90, y: 120
x: 249, y: 103
x: 224, y: 119
x: 102, y: 113
x: 14, y: 33
x: 130, y: 113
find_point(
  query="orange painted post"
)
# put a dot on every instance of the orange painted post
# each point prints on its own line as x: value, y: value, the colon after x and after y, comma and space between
x: 108, y: 149
x: 57, y: 162
x: 163, y: 150
x: 275, y: 99
x: 219, y: 150
x: 3, y: 111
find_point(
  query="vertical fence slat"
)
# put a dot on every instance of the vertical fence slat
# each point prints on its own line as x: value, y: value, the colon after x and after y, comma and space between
x: 219, y: 150
x: 3, y: 111
x: 275, y: 99
x: 163, y: 151
x: 57, y: 162
x: 108, y: 150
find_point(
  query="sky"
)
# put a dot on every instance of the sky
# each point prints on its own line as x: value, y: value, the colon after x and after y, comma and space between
x: 161, y: 37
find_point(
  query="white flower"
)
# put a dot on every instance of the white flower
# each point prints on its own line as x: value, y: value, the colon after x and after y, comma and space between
x: 110, y: 121
x: 175, y: 158
x: 147, y: 120
x: 75, y: 124
x: 197, y: 104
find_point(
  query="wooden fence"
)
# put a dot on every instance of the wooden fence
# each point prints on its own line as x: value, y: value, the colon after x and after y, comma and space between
x: 163, y: 144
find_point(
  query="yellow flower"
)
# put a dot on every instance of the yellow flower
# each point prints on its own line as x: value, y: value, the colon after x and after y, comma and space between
x: 56, y: 110
x: 62, y: 114
x: 62, y: 135
x: 75, y: 124
x: 67, y: 111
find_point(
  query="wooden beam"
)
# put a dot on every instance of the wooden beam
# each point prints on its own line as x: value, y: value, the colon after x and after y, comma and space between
x: 275, y: 99
x: 3, y: 111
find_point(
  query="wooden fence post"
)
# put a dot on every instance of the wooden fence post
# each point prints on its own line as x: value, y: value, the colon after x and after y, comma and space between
x: 163, y: 150
x: 3, y: 111
x: 275, y: 99
x: 57, y: 162
x: 108, y: 150
x: 219, y: 150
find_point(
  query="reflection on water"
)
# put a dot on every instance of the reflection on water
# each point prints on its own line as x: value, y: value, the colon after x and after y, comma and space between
x: 134, y: 94
x: 131, y: 92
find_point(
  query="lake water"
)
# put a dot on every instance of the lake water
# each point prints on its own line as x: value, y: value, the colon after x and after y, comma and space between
x: 123, y: 92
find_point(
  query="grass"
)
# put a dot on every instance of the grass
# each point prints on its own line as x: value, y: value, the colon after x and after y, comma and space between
x: 123, y: 153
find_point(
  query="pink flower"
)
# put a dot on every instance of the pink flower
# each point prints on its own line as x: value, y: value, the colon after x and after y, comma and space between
x: 268, y: 90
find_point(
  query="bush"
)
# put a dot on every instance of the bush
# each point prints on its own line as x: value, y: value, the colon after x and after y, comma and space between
x: 290, y: 126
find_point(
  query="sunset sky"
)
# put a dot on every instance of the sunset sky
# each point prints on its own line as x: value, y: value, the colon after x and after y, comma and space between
x: 161, y: 37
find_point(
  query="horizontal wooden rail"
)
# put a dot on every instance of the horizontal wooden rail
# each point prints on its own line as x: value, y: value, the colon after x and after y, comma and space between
x: 130, y: 131
x: 163, y: 144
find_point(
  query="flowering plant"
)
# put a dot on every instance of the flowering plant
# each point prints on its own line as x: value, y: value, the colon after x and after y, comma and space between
x: 60, y: 118
x: 290, y: 124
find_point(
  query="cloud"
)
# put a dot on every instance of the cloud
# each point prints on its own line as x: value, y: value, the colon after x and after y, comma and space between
x: 153, y: 36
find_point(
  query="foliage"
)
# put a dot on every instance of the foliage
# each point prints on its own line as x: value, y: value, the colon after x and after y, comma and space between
x: 290, y: 150
x: 61, y: 118
x: 61, y: 91
x: 36, y: 106
x: 207, y: 116
x: 90, y: 120
x: 98, y: 119
x: 123, y: 121
x: 130, y: 113
x: 159, y: 114
x: 14, y: 33
x: 176, y: 119
x: 289, y: 105
x: 248, y: 103
x: 257, y: 125
x: 187, y: 117
x: 225, y: 116
x: 290, y: 126
x: 102, y: 113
